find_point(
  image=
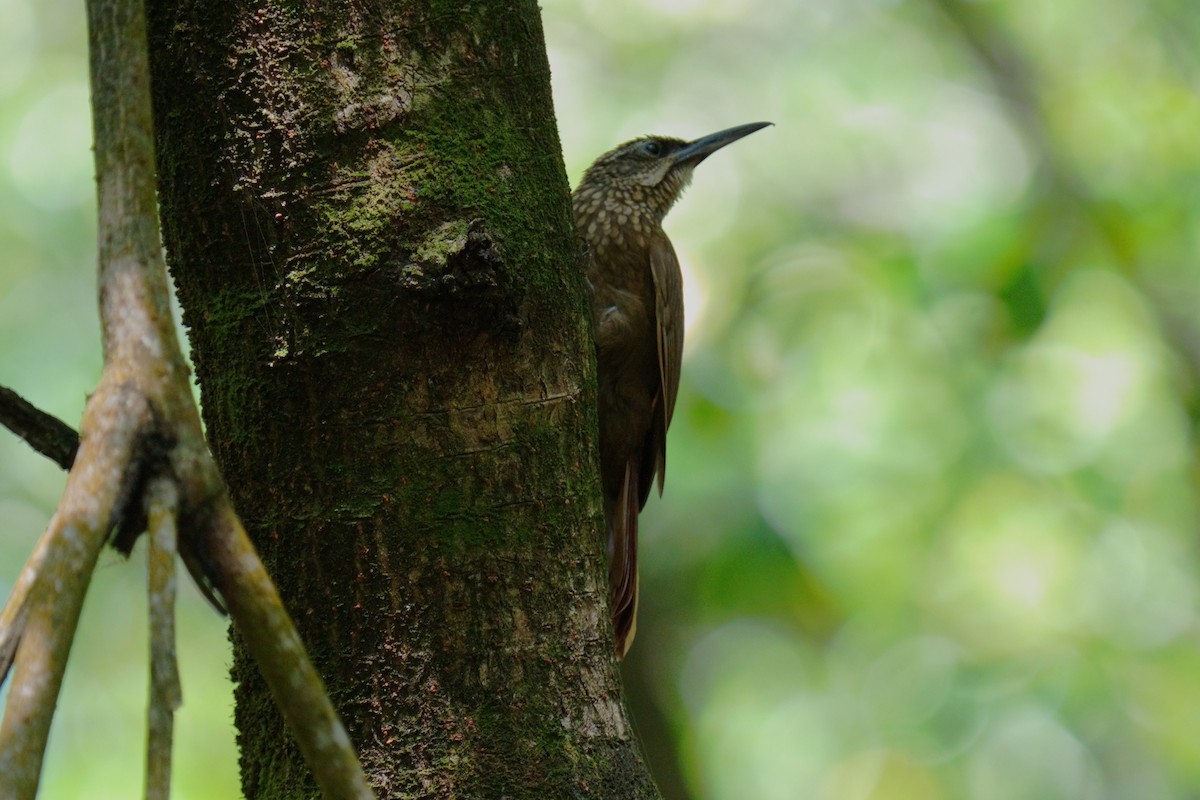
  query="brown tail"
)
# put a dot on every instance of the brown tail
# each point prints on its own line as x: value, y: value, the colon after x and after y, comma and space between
x: 622, y: 561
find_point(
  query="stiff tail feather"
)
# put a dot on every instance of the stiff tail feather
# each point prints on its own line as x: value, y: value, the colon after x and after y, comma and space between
x: 622, y: 565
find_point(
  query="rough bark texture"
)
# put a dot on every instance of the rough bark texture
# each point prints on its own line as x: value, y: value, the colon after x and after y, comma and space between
x: 367, y: 217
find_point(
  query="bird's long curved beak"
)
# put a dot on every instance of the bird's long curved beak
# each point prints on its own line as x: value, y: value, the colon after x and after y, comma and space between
x: 694, y: 152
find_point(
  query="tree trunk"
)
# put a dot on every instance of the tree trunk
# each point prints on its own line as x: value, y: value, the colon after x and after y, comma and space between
x: 367, y: 216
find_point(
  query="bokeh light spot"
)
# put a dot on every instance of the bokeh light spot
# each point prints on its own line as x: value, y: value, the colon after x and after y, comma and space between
x: 50, y: 159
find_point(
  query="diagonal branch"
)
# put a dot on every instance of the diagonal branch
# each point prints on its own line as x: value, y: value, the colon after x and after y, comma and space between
x: 1011, y: 72
x: 49, y: 607
x: 143, y: 453
x: 272, y: 639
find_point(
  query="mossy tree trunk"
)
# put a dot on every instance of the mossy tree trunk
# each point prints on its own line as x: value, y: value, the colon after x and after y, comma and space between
x: 366, y: 214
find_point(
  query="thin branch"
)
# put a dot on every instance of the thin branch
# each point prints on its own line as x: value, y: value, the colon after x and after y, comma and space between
x: 56, y: 439
x: 44, y: 432
x: 135, y: 314
x: 138, y: 332
x: 273, y: 641
x: 1011, y: 71
x: 142, y: 433
x: 1008, y: 69
x: 73, y: 542
x: 16, y: 609
x: 162, y: 505
x: 139, y: 339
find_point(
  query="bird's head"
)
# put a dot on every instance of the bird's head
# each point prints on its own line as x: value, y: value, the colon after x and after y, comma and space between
x: 646, y: 176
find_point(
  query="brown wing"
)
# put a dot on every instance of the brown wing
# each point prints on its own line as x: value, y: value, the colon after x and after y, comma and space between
x: 668, y: 296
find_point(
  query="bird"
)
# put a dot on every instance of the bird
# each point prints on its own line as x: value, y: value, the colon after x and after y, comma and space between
x: 637, y: 319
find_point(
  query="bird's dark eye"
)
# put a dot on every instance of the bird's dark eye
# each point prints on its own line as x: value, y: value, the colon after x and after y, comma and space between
x: 652, y: 147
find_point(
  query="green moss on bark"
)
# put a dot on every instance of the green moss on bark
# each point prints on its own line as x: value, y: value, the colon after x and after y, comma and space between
x: 368, y: 219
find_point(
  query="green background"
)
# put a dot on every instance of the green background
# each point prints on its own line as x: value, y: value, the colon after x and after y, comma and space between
x: 930, y: 521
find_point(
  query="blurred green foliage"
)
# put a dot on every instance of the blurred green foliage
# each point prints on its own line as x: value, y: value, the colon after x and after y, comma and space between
x: 929, y: 528
x: 930, y: 519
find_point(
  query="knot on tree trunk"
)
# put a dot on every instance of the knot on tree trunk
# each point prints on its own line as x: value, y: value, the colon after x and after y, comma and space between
x: 459, y: 272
